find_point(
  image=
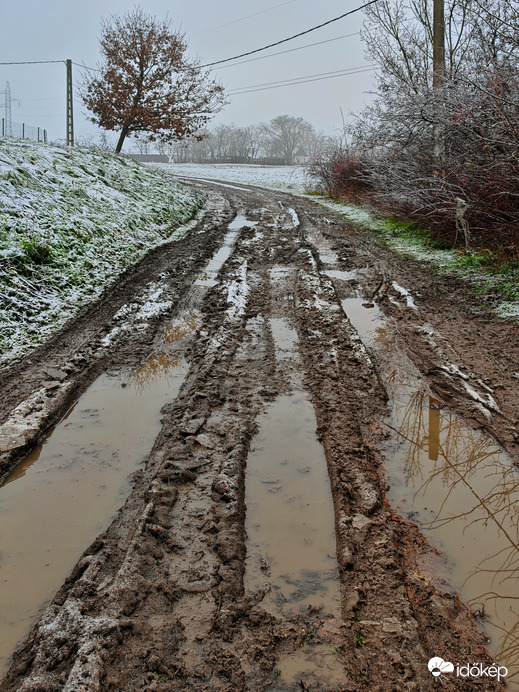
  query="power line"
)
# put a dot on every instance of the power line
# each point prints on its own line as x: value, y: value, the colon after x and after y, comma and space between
x: 309, y: 76
x: 85, y: 67
x: 32, y: 62
x: 291, y: 50
x: 290, y: 38
x: 263, y: 57
x: 248, y: 16
x: 299, y: 80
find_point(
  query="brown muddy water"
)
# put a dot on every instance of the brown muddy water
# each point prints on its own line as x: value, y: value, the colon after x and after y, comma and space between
x: 66, y: 492
x: 289, y: 523
x: 458, y: 485
x: 291, y: 564
x: 291, y: 560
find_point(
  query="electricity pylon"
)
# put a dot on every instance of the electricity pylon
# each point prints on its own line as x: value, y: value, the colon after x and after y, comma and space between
x: 8, y: 121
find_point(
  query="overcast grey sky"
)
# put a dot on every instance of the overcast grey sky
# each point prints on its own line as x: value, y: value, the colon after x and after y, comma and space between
x: 215, y: 29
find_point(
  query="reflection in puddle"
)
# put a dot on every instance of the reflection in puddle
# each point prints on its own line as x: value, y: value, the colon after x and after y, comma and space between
x: 366, y: 318
x: 463, y: 492
x: 182, y: 326
x: 68, y: 489
x: 289, y: 523
x: 159, y: 367
x: 459, y: 486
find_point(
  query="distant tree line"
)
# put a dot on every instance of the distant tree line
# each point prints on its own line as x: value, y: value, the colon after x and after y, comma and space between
x: 283, y: 140
x: 446, y: 156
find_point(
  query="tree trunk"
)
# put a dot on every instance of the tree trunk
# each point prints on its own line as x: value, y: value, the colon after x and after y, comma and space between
x: 122, y: 137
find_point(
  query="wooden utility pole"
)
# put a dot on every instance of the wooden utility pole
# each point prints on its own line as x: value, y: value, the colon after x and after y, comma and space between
x: 70, y: 108
x: 439, y: 77
x: 438, y: 44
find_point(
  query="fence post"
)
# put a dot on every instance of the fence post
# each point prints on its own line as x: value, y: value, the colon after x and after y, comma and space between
x: 38, y: 134
x: 70, y: 101
x: 45, y: 136
x: 23, y: 130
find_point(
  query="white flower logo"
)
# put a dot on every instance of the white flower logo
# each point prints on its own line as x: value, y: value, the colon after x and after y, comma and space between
x: 437, y: 666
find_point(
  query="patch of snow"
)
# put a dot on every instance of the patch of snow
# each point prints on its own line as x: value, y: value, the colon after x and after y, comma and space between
x: 444, y: 259
x: 404, y: 292
x: 94, y: 215
x: 237, y: 292
x: 486, y: 400
x: 508, y: 310
x: 137, y: 314
x: 295, y: 217
x: 454, y: 370
x: 26, y: 419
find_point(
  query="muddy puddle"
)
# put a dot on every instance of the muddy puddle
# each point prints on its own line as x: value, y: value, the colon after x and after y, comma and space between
x: 351, y: 275
x: 66, y: 492
x: 324, y: 246
x: 368, y: 320
x: 291, y: 564
x: 291, y: 537
x: 285, y: 337
x: 317, y: 666
x: 460, y: 488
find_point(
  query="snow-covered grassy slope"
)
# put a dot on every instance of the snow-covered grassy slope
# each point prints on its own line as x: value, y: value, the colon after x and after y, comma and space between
x: 71, y: 220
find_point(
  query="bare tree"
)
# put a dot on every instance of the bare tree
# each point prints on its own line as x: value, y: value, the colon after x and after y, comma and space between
x: 286, y: 135
x: 469, y: 193
x: 399, y: 38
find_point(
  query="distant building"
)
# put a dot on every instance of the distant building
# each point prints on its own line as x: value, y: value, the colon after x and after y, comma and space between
x: 149, y: 158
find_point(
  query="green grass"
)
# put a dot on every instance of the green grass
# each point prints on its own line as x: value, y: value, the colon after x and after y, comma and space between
x: 486, y: 273
x: 71, y: 220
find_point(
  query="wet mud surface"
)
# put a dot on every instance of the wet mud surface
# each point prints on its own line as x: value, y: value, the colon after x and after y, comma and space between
x: 327, y: 495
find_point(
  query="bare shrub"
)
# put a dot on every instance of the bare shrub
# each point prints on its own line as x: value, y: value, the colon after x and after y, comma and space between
x: 337, y: 170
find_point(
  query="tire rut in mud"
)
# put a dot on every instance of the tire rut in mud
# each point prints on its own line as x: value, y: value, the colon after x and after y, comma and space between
x: 158, y: 601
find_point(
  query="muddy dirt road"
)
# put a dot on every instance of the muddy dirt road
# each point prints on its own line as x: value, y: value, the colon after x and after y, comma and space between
x: 322, y: 439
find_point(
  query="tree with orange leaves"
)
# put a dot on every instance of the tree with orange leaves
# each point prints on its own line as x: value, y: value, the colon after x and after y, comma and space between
x: 146, y: 83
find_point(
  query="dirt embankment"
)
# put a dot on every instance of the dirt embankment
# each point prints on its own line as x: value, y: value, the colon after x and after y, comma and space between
x: 163, y: 599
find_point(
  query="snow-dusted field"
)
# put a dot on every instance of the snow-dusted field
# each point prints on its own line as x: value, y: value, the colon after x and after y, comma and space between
x: 284, y: 178
x: 71, y: 220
